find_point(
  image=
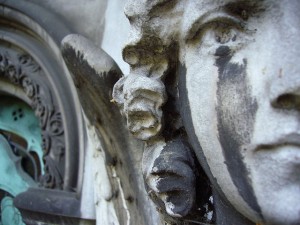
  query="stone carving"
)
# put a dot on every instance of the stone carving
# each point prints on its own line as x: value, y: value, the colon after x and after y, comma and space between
x: 19, y: 68
x: 141, y: 100
x: 224, y: 76
x: 94, y: 73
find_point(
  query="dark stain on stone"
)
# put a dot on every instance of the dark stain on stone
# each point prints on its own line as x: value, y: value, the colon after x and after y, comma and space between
x: 112, y: 161
x: 218, y: 217
x: 235, y: 111
x: 130, y: 199
x: 175, y: 168
x: 244, y: 9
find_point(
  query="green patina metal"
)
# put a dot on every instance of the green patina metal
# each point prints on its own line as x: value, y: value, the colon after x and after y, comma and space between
x: 18, y: 118
x: 9, y: 214
x: 20, y: 138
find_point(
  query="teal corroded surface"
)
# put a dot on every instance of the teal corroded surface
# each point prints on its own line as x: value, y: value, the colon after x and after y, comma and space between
x: 9, y: 214
x: 18, y: 118
x: 20, y: 137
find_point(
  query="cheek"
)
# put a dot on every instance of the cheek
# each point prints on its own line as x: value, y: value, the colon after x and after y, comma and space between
x: 201, y: 76
x: 201, y: 85
x: 208, y: 108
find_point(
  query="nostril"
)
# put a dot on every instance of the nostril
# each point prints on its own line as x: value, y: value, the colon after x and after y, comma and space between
x: 287, y: 101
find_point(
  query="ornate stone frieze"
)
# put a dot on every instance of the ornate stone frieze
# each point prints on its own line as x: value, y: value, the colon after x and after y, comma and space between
x: 22, y: 70
x: 32, y: 70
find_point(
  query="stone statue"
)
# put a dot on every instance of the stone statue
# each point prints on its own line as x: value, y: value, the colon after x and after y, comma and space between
x: 215, y: 84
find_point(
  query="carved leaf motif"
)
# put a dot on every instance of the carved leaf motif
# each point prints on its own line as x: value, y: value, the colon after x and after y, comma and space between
x: 3, y: 63
x: 28, y: 61
x: 40, y: 111
x: 12, y: 74
x: 52, y: 178
x: 24, y: 59
x: 59, y: 150
x: 29, y: 87
x: 55, y: 124
x: 46, y: 142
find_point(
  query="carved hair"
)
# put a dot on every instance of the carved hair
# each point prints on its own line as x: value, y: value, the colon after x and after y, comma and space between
x: 151, y: 53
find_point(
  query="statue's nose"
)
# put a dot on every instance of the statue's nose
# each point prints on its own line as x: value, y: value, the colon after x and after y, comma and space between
x: 284, y: 59
x: 288, y: 101
x: 285, y: 88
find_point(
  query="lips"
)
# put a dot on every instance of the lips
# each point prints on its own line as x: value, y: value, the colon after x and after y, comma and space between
x: 292, y: 140
x: 280, y: 155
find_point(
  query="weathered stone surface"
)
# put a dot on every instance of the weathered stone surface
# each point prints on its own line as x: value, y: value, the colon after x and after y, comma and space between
x: 121, y: 191
x: 223, y: 76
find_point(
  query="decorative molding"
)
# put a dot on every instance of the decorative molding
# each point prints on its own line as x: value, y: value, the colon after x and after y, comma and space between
x: 32, y: 65
x: 22, y: 70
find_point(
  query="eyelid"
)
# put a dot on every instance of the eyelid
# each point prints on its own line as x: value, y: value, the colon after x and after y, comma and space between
x: 203, y: 23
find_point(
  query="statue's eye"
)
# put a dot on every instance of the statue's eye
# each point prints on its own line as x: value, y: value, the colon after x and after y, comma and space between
x: 221, y: 31
x: 224, y: 33
x: 217, y: 28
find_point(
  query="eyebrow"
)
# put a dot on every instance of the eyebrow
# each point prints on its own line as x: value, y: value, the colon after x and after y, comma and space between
x: 244, y: 8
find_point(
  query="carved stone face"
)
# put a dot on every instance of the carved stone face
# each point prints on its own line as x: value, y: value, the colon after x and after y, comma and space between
x: 242, y: 83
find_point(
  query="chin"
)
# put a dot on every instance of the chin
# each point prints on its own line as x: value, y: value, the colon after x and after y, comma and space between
x: 282, y: 218
x: 279, y: 201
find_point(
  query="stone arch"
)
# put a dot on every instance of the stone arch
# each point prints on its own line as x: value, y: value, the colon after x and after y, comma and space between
x: 32, y: 70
